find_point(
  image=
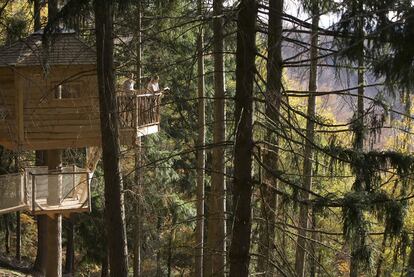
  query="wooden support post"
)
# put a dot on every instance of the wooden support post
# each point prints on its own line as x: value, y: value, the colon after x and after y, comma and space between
x: 137, y: 266
x: 7, y: 233
x: 70, y: 249
x: 54, y: 221
x: 41, y: 255
x: 19, y: 196
x: 19, y: 110
x: 139, y: 211
x: 18, y: 237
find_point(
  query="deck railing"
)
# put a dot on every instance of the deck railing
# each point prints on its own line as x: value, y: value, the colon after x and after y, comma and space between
x: 66, y: 189
x: 41, y: 191
x: 137, y: 110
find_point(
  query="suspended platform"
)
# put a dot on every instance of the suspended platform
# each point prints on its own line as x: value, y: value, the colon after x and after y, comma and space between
x: 42, y: 191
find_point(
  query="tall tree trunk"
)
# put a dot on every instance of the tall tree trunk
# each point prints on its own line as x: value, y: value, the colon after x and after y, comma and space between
x: 243, y: 148
x: 313, y: 249
x: 301, y: 247
x: 137, y: 263
x: 359, y: 143
x: 410, y: 265
x: 52, y: 9
x: 216, y: 246
x: 105, y: 266
x: 139, y: 211
x: 36, y: 15
x: 381, y: 256
x: 7, y: 239
x: 138, y: 158
x: 170, y: 249
x: 18, y: 221
x: 18, y: 237
x: 201, y: 139
x: 41, y: 254
x: 270, y: 158
x: 54, y: 221
x: 114, y: 197
x: 70, y: 246
x: 158, y: 256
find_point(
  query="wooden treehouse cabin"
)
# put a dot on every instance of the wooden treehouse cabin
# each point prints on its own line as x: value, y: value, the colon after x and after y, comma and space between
x: 49, y: 100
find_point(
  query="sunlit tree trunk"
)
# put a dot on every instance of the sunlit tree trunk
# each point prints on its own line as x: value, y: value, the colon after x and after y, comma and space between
x: 18, y: 220
x: 270, y: 158
x: 313, y: 249
x: 243, y: 148
x: 199, y: 249
x: 114, y: 197
x: 410, y: 265
x: 54, y: 224
x: 301, y: 245
x: 215, y: 252
x: 359, y: 140
x: 137, y: 264
x: 54, y: 221
x: 40, y: 262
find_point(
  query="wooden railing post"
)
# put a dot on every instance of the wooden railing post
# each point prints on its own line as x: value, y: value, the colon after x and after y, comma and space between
x: 137, y: 109
x: 136, y: 113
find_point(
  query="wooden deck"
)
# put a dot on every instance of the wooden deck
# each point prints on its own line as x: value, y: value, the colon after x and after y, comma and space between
x: 42, y: 191
x: 68, y: 205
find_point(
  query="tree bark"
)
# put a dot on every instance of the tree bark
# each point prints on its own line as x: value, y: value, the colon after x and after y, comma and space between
x: 137, y: 268
x: 313, y: 249
x: 243, y: 148
x: 36, y: 15
x: 18, y: 220
x: 216, y: 247
x: 114, y: 197
x: 41, y: 254
x: 70, y: 246
x: 54, y: 223
x: 301, y: 247
x: 139, y: 211
x: 158, y: 256
x: 170, y: 250
x: 18, y: 237
x: 270, y: 158
x: 52, y: 9
x: 410, y: 265
x: 201, y: 139
x: 359, y: 141
x: 105, y: 266
x: 6, y: 222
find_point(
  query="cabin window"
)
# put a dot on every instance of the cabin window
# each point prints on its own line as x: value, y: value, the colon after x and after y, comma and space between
x: 67, y: 90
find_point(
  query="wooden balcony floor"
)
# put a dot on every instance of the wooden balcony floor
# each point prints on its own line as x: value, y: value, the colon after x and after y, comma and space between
x: 67, y: 205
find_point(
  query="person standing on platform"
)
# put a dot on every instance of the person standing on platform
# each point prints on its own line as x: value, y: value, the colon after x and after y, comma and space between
x: 153, y: 85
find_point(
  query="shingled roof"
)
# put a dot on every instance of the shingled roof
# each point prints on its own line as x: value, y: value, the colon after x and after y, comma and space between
x: 66, y: 49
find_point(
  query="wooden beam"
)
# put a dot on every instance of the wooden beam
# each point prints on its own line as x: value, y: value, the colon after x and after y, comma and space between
x: 19, y: 108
